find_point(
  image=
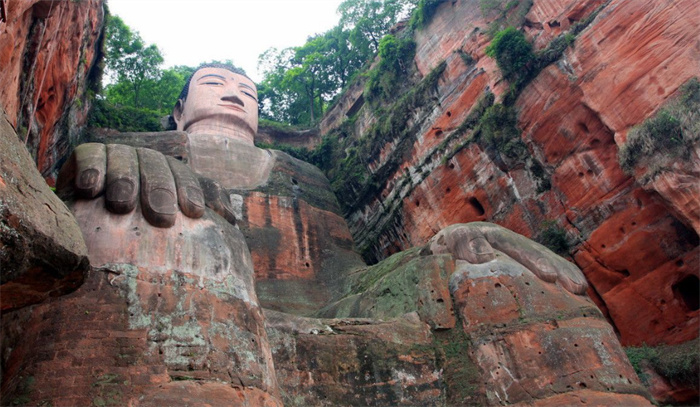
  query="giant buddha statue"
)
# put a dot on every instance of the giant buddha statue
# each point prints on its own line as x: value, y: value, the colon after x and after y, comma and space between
x: 172, y: 314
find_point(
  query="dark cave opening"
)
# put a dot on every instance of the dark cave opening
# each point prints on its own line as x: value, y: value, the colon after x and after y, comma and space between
x: 688, y: 292
x: 474, y: 203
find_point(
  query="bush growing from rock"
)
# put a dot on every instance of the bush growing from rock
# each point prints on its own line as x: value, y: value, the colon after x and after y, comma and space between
x: 664, y: 135
x: 512, y: 52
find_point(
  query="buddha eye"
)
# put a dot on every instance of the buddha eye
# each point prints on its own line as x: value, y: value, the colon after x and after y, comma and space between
x: 214, y: 83
x: 250, y: 94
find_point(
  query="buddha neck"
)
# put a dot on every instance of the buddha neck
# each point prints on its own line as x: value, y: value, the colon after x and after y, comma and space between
x: 233, y: 133
x: 233, y: 162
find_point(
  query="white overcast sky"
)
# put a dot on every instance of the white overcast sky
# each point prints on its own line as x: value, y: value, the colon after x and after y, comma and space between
x: 189, y: 32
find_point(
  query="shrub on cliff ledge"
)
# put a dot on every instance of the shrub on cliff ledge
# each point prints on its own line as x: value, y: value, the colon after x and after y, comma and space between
x: 424, y: 13
x: 512, y: 53
x: 499, y: 130
x: 666, y: 135
x: 554, y: 237
x: 678, y: 363
x: 123, y: 118
x: 395, y: 56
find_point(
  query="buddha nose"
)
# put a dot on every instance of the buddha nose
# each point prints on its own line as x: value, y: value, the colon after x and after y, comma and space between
x: 232, y: 98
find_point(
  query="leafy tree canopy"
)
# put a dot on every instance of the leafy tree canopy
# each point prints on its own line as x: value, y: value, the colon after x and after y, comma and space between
x: 130, y: 63
x: 139, y: 91
x: 300, y: 82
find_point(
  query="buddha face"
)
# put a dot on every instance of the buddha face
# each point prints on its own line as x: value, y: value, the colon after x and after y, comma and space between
x: 221, y: 101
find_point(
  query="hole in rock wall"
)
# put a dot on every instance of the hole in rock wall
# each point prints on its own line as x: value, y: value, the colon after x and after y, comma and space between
x: 43, y: 8
x: 687, y: 291
x: 474, y: 203
x: 582, y: 127
x: 356, y: 106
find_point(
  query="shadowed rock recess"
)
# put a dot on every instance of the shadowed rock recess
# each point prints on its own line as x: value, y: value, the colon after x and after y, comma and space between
x: 528, y: 238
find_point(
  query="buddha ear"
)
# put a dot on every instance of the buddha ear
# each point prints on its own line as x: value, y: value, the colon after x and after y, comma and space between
x: 177, y: 113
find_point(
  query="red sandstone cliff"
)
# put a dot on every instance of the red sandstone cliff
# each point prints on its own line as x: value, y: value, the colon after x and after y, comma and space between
x: 48, y: 55
x: 637, y: 244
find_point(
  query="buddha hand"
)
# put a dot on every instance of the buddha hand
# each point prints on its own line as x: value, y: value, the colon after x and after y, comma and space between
x: 124, y: 174
x: 475, y: 243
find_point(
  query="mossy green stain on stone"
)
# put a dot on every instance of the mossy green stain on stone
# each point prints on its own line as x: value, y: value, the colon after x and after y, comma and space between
x: 460, y: 374
x: 405, y: 282
x: 679, y: 363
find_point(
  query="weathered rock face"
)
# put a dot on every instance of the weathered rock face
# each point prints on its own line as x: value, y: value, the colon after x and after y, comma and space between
x: 42, y: 252
x: 162, y: 306
x: 48, y: 53
x: 300, y: 245
x: 171, y: 316
x: 631, y: 238
x: 636, y: 245
x: 354, y: 361
x: 501, y: 334
x: 301, y: 139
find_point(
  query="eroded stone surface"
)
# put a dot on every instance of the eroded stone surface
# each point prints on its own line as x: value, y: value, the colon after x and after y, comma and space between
x: 48, y: 51
x: 42, y: 252
x: 524, y: 339
x: 164, y: 305
x: 354, y: 361
x: 574, y: 116
x: 301, y: 246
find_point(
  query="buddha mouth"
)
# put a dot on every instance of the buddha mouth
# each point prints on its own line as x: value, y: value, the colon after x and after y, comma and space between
x: 232, y: 106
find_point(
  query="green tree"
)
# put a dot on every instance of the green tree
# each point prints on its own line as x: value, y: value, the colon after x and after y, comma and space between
x: 277, y: 101
x: 139, y: 92
x: 370, y: 20
x: 129, y: 61
x: 161, y: 94
x: 342, y: 59
x: 395, y: 55
x: 423, y: 12
x: 299, y: 82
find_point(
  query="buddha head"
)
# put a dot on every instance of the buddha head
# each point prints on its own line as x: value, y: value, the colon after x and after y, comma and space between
x: 218, y: 99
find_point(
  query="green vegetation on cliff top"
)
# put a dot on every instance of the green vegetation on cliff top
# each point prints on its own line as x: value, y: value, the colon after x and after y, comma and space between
x: 299, y: 82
